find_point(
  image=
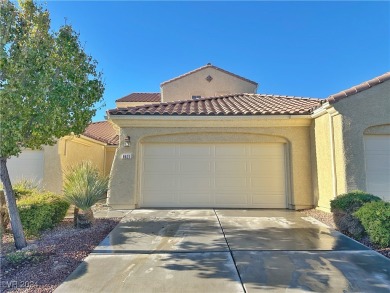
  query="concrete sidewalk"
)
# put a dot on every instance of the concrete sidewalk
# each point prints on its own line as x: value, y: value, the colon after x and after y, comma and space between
x: 228, y: 251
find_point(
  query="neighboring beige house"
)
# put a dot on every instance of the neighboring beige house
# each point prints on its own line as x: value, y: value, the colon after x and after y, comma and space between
x: 205, y: 81
x: 250, y: 150
x: 351, y: 141
x: 98, y: 144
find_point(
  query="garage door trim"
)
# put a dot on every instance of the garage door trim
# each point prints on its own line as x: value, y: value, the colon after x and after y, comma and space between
x: 284, y: 161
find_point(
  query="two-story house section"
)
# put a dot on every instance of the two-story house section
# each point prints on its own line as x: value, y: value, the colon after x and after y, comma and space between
x: 206, y: 81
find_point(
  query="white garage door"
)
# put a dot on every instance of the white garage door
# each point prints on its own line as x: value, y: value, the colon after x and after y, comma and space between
x: 213, y: 175
x: 29, y: 165
x: 377, y: 155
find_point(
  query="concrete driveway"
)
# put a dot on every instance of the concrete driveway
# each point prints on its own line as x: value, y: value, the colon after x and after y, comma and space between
x: 228, y: 251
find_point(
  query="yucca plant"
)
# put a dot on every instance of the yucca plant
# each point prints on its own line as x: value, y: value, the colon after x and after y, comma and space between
x: 84, y: 186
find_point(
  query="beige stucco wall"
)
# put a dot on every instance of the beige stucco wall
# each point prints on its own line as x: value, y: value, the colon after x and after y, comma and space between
x: 328, y: 158
x: 125, y: 181
x: 322, y: 174
x: 110, y: 155
x: 132, y: 104
x: 195, y: 84
x: 69, y: 151
x: 338, y: 145
x: 359, y: 112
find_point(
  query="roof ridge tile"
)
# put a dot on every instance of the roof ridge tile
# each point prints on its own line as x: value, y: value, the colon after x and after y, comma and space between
x: 358, y: 88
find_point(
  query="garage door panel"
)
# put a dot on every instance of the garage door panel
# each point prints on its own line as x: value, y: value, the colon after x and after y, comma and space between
x: 158, y: 198
x: 195, y: 198
x: 230, y: 167
x: 196, y: 150
x: 377, y: 158
x: 214, y: 175
x: 159, y: 182
x: 266, y: 150
x: 382, y: 177
x: 159, y: 150
x: 377, y: 161
x: 156, y: 165
x: 377, y: 143
x: 273, y: 199
x: 229, y: 150
x: 233, y: 182
x: 195, y: 184
x: 377, y: 186
x: 231, y: 198
x: 268, y: 184
x: 274, y: 168
x: 196, y: 167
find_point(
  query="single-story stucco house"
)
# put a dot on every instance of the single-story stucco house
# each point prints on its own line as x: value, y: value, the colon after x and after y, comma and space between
x: 223, y: 145
x: 47, y: 166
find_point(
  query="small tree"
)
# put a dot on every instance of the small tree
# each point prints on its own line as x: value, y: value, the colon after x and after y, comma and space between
x: 84, y: 187
x: 48, y: 88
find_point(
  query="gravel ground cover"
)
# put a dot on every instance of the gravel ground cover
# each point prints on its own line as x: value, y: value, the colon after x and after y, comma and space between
x: 52, y: 257
x: 327, y: 219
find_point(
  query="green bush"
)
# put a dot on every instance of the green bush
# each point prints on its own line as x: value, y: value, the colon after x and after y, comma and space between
x: 26, y: 187
x: 375, y: 218
x: 22, y: 192
x: 41, y: 211
x: 352, y: 201
x: 343, y: 207
x: 20, y: 257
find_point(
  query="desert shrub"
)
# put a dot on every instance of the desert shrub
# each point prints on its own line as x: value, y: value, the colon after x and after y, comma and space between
x: 41, y: 211
x: 84, y: 186
x: 20, y: 257
x: 26, y: 187
x: 375, y: 218
x: 343, y: 207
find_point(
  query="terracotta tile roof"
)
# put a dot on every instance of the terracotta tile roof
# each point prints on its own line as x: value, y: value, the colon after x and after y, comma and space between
x: 141, y: 97
x: 208, y: 65
x: 358, y: 88
x: 236, y: 104
x: 102, y: 131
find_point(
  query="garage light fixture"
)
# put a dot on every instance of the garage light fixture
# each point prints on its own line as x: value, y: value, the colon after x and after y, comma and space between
x: 127, y: 141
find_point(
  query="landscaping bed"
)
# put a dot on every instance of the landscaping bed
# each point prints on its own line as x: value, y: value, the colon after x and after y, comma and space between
x: 51, y: 257
x: 327, y: 218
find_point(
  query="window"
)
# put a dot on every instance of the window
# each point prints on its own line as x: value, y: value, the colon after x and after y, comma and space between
x: 196, y: 97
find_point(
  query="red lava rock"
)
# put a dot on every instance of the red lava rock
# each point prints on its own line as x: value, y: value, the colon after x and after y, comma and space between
x: 59, y: 252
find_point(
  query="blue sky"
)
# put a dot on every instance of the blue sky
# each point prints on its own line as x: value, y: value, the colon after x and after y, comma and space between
x: 309, y: 49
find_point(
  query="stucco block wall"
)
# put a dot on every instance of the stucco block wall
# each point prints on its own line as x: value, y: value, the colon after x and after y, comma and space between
x: 70, y: 151
x: 52, y: 179
x: 196, y: 84
x: 321, y: 143
x: 338, y: 141
x: 328, y: 157
x: 110, y: 155
x: 125, y: 181
x: 359, y: 112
